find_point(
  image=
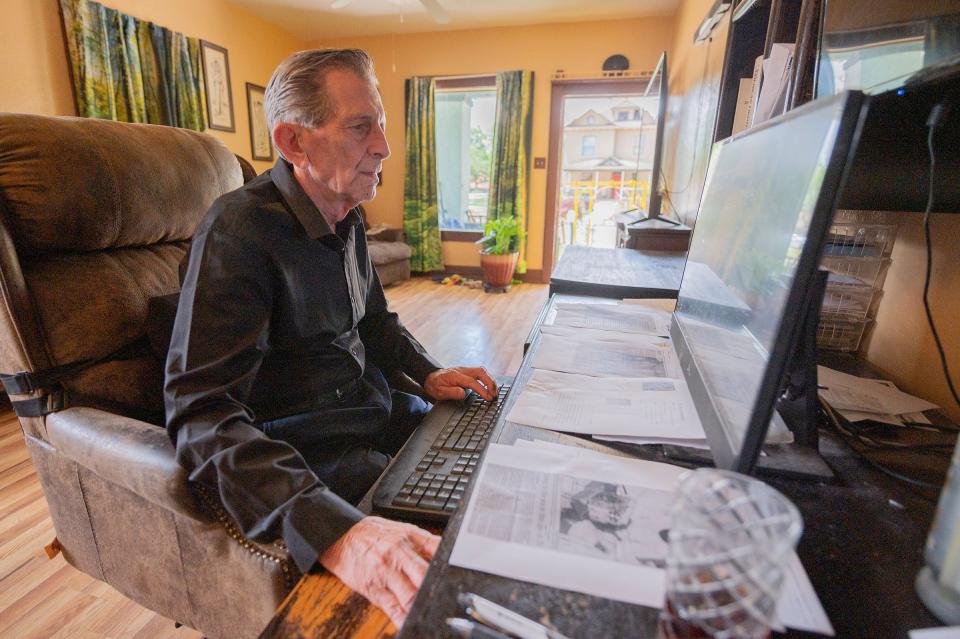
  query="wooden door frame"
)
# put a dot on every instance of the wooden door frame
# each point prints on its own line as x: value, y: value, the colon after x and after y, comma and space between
x: 559, y: 91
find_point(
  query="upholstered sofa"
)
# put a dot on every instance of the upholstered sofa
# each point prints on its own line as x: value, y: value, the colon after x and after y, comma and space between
x: 388, y: 251
x: 95, y: 217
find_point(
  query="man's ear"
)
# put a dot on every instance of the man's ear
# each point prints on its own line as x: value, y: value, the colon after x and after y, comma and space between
x: 287, y: 141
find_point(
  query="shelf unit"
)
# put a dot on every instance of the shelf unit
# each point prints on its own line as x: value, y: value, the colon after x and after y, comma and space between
x: 754, y: 28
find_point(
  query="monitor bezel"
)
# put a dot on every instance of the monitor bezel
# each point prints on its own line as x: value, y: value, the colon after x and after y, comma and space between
x: 721, y: 445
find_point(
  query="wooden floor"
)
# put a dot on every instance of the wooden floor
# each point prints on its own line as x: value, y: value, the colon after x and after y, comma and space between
x: 42, y: 598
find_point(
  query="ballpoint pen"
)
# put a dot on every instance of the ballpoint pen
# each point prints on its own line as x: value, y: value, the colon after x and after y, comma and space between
x: 466, y: 629
x: 504, y: 620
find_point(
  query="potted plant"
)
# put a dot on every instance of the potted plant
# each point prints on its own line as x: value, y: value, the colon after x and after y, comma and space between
x: 499, y: 251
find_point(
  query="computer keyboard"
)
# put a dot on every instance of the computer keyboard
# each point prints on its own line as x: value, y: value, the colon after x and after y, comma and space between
x: 430, y: 474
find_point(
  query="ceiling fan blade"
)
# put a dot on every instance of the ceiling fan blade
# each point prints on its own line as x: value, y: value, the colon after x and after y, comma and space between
x: 434, y: 9
x: 340, y: 4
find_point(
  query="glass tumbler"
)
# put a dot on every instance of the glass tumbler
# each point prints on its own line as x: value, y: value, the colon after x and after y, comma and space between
x: 728, y: 546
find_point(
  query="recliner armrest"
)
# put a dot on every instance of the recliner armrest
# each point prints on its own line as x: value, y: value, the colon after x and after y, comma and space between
x: 133, y: 454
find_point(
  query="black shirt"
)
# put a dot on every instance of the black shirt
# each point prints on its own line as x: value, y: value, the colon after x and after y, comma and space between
x: 276, y: 310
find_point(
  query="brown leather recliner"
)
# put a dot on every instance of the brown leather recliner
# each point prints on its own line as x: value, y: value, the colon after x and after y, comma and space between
x: 95, y: 217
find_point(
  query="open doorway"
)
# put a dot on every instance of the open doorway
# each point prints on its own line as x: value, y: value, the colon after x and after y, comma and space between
x: 602, y: 137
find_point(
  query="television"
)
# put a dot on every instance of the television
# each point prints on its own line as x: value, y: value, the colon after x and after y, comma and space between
x: 761, y: 226
x: 659, y: 81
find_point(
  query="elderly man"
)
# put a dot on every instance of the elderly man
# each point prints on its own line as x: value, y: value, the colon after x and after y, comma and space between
x: 275, y: 389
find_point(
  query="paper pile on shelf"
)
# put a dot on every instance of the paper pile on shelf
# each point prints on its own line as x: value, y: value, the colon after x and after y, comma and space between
x: 858, y: 399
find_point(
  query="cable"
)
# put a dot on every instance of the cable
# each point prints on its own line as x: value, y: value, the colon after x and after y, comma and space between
x: 936, y: 115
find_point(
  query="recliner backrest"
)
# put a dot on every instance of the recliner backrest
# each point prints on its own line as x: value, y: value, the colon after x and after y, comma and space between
x: 95, y: 217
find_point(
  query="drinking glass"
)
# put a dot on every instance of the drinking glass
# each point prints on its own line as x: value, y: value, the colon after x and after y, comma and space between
x: 729, y: 542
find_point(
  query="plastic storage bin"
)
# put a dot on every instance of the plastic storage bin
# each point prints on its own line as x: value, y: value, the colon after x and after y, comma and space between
x: 848, y: 303
x: 840, y: 335
x: 860, y: 240
x: 856, y: 271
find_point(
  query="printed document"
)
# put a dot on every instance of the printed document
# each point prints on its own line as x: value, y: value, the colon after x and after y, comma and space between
x: 848, y: 392
x: 638, y: 407
x: 581, y: 520
x: 605, y: 353
x: 630, y: 318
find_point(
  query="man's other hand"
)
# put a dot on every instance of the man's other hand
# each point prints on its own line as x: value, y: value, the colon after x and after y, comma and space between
x: 450, y: 383
x: 384, y: 561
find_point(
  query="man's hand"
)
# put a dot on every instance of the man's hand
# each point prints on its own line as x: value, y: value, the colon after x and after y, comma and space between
x: 384, y: 561
x: 449, y: 383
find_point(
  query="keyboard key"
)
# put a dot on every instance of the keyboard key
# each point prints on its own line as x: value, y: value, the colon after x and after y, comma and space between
x: 422, y: 466
x: 443, y: 494
x: 408, y: 502
x: 450, y: 507
x: 418, y: 491
x: 432, y: 503
x: 430, y: 492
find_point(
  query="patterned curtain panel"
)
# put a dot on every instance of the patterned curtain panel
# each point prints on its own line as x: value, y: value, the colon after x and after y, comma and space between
x: 421, y: 220
x: 511, y: 150
x: 133, y: 71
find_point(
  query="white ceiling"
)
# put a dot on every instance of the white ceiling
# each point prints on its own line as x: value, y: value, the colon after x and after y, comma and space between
x: 313, y: 20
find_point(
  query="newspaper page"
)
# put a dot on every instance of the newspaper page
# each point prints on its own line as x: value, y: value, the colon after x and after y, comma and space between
x: 581, y: 520
x: 638, y: 407
x: 606, y: 354
x: 629, y: 318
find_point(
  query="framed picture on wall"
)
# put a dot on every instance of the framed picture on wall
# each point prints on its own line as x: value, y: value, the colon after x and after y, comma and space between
x: 260, y: 146
x: 216, y: 80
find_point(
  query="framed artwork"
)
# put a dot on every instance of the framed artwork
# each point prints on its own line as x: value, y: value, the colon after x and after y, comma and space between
x: 260, y: 143
x: 216, y: 80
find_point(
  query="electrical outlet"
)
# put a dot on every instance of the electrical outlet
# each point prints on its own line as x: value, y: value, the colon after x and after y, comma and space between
x: 539, y: 163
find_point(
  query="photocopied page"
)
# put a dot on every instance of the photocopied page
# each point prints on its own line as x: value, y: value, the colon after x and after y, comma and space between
x: 630, y: 318
x: 848, y: 392
x: 799, y: 606
x: 606, y: 353
x: 638, y: 407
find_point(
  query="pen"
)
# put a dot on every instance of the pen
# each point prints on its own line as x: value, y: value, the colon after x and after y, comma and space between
x: 504, y: 620
x: 468, y: 630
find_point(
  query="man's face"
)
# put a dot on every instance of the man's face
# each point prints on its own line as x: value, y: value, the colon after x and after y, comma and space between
x: 344, y: 155
x: 609, y: 508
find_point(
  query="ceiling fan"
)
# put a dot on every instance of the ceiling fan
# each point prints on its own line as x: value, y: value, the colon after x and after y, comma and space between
x: 432, y: 6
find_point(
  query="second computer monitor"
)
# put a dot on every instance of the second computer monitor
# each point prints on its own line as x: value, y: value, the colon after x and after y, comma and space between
x: 766, y: 206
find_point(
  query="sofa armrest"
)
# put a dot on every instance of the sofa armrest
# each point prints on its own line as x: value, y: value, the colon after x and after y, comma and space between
x: 385, y: 234
x: 133, y: 454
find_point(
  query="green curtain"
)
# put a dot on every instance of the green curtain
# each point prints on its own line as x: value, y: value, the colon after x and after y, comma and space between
x: 511, y: 150
x: 133, y: 71
x: 421, y: 220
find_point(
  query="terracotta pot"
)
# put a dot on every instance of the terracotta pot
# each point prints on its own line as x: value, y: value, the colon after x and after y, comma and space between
x: 498, y: 269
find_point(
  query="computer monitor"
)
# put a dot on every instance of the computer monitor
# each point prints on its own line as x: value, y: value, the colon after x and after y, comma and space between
x: 767, y: 204
x: 658, y: 82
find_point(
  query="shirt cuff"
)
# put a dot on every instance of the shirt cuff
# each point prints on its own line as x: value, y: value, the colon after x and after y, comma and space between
x: 314, y: 522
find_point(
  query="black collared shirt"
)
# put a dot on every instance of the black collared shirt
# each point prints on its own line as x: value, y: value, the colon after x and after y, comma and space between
x: 276, y: 310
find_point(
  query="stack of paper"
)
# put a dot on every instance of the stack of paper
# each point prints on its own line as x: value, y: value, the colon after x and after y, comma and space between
x: 608, y: 370
x: 585, y: 521
x: 859, y: 399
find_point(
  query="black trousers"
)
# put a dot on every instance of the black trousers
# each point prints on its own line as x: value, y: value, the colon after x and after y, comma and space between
x: 348, y: 445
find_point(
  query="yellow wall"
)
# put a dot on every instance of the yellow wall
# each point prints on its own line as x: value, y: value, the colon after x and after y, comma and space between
x: 36, y: 79
x: 575, y: 48
x: 902, y: 344
x: 694, y: 92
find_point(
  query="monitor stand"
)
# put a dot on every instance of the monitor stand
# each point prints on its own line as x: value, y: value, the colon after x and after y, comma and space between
x: 798, y: 406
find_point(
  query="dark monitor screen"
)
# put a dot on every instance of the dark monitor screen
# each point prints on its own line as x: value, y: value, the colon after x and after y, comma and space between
x: 766, y: 206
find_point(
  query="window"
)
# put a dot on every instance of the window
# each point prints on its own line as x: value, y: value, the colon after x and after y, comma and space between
x: 591, y: 119
x: 622, y: 116
x: 464, y: 130
x: 636, y: 114
x: 588, y: 146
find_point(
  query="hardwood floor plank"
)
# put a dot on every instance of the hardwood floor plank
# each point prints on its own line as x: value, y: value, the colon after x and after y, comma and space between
x: 47, y: 598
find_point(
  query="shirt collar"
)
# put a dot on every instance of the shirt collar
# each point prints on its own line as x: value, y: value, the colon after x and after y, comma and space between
x: 300, y: 203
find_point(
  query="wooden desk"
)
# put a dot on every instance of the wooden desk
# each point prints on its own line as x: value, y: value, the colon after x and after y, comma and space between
x: 618, y: 273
